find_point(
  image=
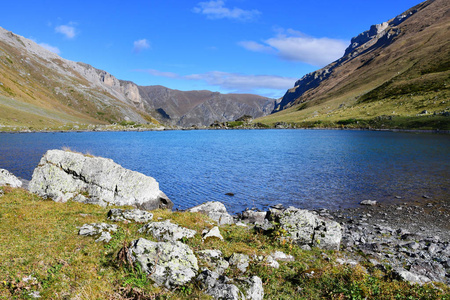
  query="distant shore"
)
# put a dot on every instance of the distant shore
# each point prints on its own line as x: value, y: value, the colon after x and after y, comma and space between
x: 438, y: 131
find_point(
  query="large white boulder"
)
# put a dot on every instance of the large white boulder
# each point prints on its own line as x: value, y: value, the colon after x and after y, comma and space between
x: 62, y: 175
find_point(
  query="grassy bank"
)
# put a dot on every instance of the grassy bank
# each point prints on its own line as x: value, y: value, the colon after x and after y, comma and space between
x: 39, y: 238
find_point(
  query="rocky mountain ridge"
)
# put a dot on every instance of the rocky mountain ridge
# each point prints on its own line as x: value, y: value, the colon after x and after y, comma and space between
x: 378, y: 36
x: 36, y: 83
x: 397, y: 70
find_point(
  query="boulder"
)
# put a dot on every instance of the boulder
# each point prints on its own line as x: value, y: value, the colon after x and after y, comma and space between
x: 215, y: 210
x: 213, y: 260
x: 368, y: 202
x: 404, y: 275
x: 221, y: 287
x: 167, y: 231
x: 135, y: 215
x: 252, y: 287
x: 218, y: 287
x: 62, y: 175
x: 278, y: 255
x: 253, y: 216
x: 100, y: 230
x: 212, y: 233
x: 7, y: 178
x: 168, y: 264
x: 305, y: 228
x: 240, y: 261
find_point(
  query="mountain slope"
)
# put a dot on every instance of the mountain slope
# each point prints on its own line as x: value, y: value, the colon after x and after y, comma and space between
x: 39, y: 89
x: 400, y: 68
x: 187, y: 108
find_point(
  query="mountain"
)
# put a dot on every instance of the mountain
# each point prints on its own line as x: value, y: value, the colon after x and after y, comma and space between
x: 39, y: 89
x: 398, y: 69
x: 201, y: 107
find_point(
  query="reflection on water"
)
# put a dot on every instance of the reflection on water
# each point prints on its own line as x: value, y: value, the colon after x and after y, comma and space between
x: 303, y: 168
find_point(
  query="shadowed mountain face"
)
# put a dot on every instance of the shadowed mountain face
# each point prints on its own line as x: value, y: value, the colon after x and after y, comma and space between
x: 39, y: 88
x: 187, y: 108
x: 403, y: 62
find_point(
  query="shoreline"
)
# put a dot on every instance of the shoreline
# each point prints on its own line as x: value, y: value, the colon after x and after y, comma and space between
x: 435, y: 131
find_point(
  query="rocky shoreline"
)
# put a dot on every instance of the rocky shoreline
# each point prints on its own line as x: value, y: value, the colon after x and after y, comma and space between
x: 409, y: 241
x: 407, y: 236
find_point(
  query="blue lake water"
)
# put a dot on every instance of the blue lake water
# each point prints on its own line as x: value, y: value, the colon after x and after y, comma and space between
x: 304, y: 168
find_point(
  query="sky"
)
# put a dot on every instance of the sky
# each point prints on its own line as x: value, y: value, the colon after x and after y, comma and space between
x: 230, y: 46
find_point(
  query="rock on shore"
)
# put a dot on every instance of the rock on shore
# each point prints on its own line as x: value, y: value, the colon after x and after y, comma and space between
x: 7, y: 178
x: 63, y: 175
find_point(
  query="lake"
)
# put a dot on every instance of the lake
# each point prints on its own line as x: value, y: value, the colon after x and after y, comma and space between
x: 304, y: 168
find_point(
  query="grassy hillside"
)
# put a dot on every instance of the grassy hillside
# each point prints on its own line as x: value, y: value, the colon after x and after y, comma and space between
x: 39, y: 90
x: 404, y: 84
x: 40, y: 251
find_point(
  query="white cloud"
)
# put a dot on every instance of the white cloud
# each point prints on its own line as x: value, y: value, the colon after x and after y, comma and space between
x: 233, y: 81
x: 295, y: 46
x: 66, y: 30
x: 256, y: 47
x: 140, y: 45
x: 50, y: 48
x: 215, y: 9
x: 242, y: 82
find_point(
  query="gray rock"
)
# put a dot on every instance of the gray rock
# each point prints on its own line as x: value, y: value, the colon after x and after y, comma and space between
x: 278, y: 255
x: 215, y: 210
x: 100, y: 230
x: 7, y: 178
x: 429, y: 269
x: 212, y: 233
x: 253, y: 216
x: 218, y: 287
x: 213, y: 260
x: 252, y: 287
x: 404, y: 275
x: 265, y: 226
x: 167, y: 231
x: 62, y: 175
x: 271, y: 262
x: 136, y: 215
x: 305, y: 228
x: 169, y: 264
x: 221, y: 287
x: 368, y: 202
x: 240, y: 261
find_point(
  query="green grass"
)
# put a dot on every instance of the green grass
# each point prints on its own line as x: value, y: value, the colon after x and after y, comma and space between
x: 40, y: 238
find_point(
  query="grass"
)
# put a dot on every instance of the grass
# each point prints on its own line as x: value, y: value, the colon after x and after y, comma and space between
x: 38, y: 238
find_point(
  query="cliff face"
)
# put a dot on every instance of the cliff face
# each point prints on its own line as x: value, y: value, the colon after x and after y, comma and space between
x: 378, y: 55
x: 38, y: 84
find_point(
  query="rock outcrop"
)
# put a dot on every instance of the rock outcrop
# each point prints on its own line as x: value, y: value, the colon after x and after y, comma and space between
x: 213, y: 260
x: 7, y: 178
x: 222, y: 287
x: 63, y: 175
x: 305, y: 228
x: 215, y: 210
x: 168, y: 264
x: 167, y: 231
x: 101, y: 231
x: 364, y: 60
x: 126, y: 215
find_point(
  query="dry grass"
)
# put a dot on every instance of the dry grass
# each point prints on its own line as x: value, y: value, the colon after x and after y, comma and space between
x: 39, y: 238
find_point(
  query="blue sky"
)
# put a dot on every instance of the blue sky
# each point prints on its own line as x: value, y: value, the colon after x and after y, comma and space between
x: 244, y: 46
